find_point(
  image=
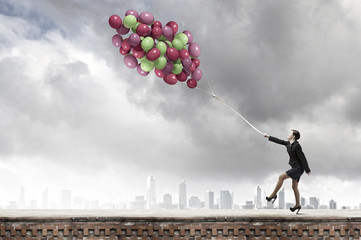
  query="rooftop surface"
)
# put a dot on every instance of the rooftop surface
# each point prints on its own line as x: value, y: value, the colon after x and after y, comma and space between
x: 196, y: 215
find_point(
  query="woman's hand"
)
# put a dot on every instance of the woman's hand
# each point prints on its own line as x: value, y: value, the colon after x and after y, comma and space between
x: 309, y: 173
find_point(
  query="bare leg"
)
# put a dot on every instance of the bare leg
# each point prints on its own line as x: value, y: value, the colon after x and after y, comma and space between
x: 296, y: 192
x: 281, y: 178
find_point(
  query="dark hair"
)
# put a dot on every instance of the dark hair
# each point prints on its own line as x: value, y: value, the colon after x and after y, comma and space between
x: 296, y: 134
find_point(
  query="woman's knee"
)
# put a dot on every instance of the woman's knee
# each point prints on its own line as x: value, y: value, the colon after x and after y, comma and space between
x: 283, y: 176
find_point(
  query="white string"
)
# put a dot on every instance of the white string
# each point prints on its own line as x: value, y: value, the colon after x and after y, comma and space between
x: 204, y: 86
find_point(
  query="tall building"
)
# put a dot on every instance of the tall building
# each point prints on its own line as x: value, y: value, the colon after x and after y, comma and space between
x: 332, y: 204
x: 281, y: 201
x: 226, y: 199
x: 259, y: 198
x: 45, y: 199
x: 209, y: 200
x: 151, y: 193
x: 22, y: 203
x: 314, y: 202
x: 65, y: 199
x: 139, y: 203
x: 167, y: 201
x: 303, y: 201
x: 183, y: 195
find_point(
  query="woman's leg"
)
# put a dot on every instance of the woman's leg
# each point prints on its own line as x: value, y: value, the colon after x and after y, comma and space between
x: 281, y: 178
x: 297, y: 193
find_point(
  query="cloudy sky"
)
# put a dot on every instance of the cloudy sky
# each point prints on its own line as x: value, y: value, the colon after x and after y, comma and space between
x: 73, y: 116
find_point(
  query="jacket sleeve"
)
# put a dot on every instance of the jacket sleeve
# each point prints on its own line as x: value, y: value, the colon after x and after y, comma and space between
x: 303, y: 159
x: 276, y: 140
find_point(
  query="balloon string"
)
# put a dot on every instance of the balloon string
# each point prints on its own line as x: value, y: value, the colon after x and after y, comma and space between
x: 230, y: 108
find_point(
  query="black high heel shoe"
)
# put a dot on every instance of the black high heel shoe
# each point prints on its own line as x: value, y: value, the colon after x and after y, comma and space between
x: 269, y: 199
x: 295, y: 208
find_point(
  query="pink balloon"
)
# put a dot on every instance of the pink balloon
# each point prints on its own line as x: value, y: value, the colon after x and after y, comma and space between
x: 132, y: 12
x: 141, y: 71
x: 159, y: 73
x: 168, y: 68
x: 173, y: 54
x: 183, y: 54
x: 187, y: 63
x: 122, y: 30
x: 167, y: 31
x: 123, y: 52
x: 134, y: 39
x: 153, y: 54
x: 192, y: 68
x: 157, y: 32
x: 197, y: 74
x: 126, y: 45
x: 138, y: 53
x: 182, y: 77
x: 130, y: 61
x: 189, y: 35
x: 115, y: 21
x: 143, y: 30
x: 186, y: 72
x: 157, y: 24
x: 191, y: 83
x: 170, y: 79
x: 174, y: 26
x: 117, y: 40
x: 146, y: 17
x: 194, y: 50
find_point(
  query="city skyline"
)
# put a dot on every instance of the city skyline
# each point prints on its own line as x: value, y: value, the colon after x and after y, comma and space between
x: 223, y: 200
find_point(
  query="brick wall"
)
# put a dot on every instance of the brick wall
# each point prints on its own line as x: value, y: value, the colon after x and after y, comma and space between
x: 176, y: 228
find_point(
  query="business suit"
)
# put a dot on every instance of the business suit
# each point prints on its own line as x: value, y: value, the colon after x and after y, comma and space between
x: 294, y: 150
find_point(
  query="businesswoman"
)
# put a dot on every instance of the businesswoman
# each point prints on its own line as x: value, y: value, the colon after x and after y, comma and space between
x: 298, y: 163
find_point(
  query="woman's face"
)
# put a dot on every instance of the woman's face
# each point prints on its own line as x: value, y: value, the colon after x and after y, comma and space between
x: 290, y: 136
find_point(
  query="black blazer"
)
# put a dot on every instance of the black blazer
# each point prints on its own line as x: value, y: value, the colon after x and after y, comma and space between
x: 297, y: 157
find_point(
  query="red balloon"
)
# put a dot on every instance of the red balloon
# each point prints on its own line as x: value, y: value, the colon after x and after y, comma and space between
x: 115, y: 21
x: 159, y: 73
x: 170, y: 79
x: 143, y: 30
x: 157, y: 24
x: 183, y: 54
x: 191, y: 83
x: 173, y: 54
x: 126, y: 45
x: 138, y: 53
x: 196, y: 62
x: 174, y: 26
x: 186, y: 72
x: 192, y: 68
x: 182, y: 77
x: 123, y: 51
x: 157, y: 32
x: 153, y: 54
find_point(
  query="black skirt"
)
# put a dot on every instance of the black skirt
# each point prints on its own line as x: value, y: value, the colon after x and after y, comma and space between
x: 295, y: 173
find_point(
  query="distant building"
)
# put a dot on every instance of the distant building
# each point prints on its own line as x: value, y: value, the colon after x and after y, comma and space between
x: 314, y: 202
x: 226, y: 200
x: 323, y: 206
x: 22, y: 202
x: 139, y: 203
x: 249, y: 205
x: 303, y: 201
x: 167, y: 201
x: 183, y: 195
x: 194, y: 202
x: 65, y: 199
x: 259, y: 198
x: 209, y: 202
x: 151, y: 193
x: 332, y: 204
x: 45, y: 197
x: 281, y: 201
x: 289, y: 205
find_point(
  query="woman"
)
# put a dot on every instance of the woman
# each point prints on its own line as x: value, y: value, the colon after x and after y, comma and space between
x: 298, y: 163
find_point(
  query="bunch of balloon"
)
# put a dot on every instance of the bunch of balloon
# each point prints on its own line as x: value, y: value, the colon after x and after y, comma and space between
x: 153, y: 46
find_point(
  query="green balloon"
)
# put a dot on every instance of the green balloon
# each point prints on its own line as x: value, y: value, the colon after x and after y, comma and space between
x: 129, y: 21
x: 160, y: 63
x: 178, y: 44
x: 183, y: 37
x: 147, y: 65
x: 147, y: 43
x: 177, y: 69
x: 162, y: 47
x: 134, y: 28
x: 143, y: 58
x: 178, y: 61
x: 169, y: 43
